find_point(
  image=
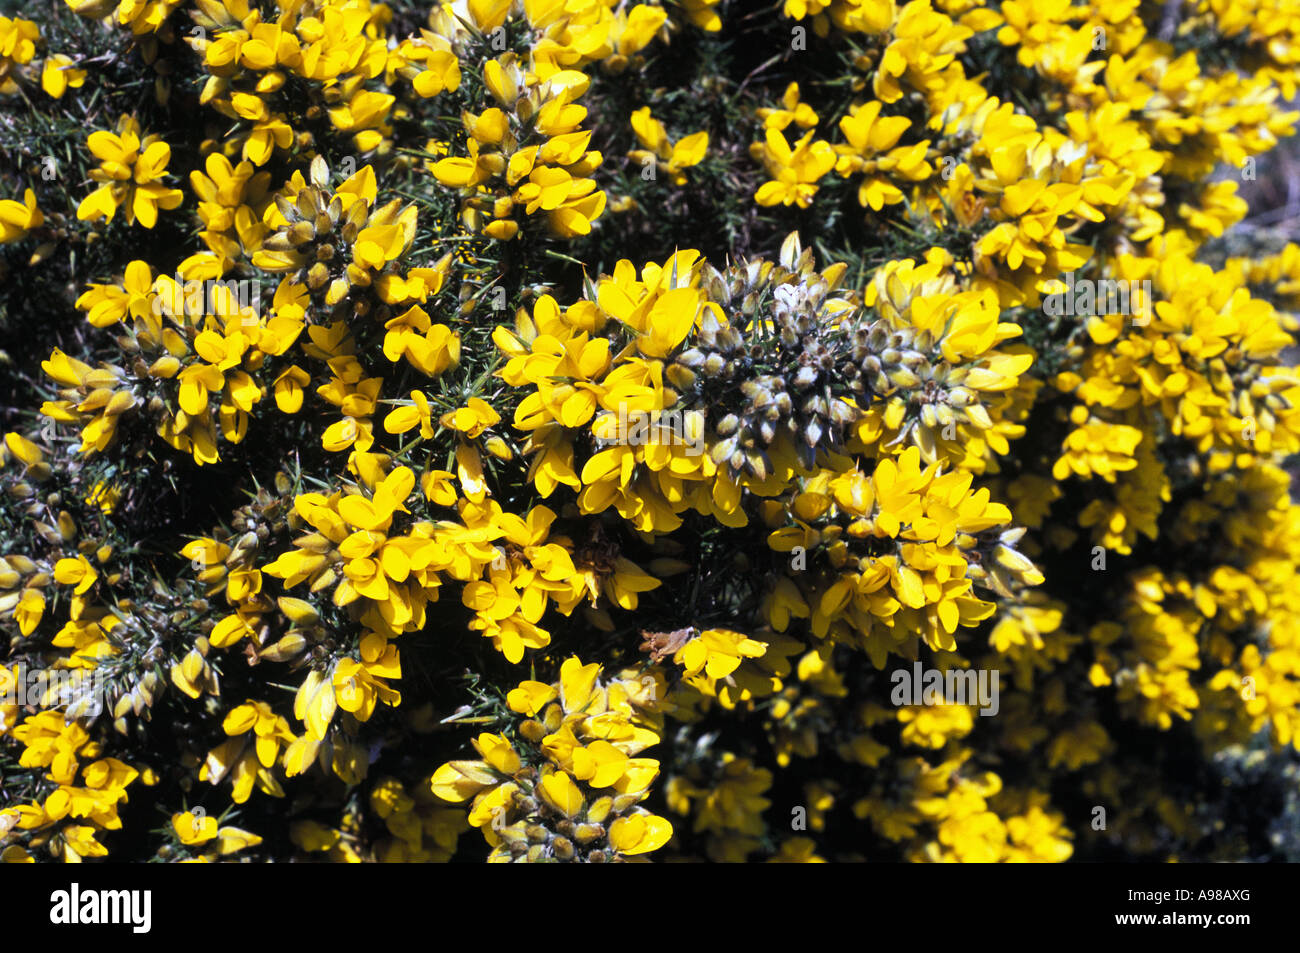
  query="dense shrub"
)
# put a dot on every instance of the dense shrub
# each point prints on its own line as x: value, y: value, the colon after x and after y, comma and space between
x: 609, y: 426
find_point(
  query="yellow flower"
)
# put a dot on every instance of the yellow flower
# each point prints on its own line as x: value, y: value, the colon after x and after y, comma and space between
x: 472, y: 419
x: 794, y: 171
x: 717, y: 653
x: 792, y: 111
x: 702, y: 14
x: 402, y: 419
x: 18, y: 39
x: 129, y: 168
x: 19, y: 218
x: 358, y: 685
x: 1097, y: 448
x: 58, y: 74
x: 639, y: 833
x: 75, y: 572
x: 674, y: 157
x: 194, y: 828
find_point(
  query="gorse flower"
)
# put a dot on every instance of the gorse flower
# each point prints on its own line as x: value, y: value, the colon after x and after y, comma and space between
x: 572, y: 788
x: 17, y: 219
x: 18, y: 39
x: 656, y: 148
x: 59, y: 74
x: 528, y: 150
x: 550, y: 421
x: 130, y: 169
x: 794, y: 168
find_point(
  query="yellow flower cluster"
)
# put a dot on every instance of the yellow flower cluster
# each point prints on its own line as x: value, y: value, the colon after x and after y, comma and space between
x: 129, y: 167
x: 333, y: 48
x: 528, y: 150
x: 484, y: 338
x: 19, y: 41
x: 570, y: 783
x: 66, y: 821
